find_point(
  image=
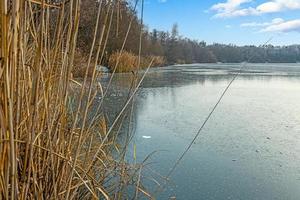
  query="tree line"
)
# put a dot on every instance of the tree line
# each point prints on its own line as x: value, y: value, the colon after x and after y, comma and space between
x: 175, y: 48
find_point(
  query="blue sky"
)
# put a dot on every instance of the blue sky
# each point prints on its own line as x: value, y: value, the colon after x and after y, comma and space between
x: 228, y: 21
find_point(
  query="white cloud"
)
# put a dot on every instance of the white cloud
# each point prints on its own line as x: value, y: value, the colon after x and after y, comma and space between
x: 284, y: 27
x: 278, y: 6
x: 269, y: 7
x: 264, y: 24
x: 233, y: 8
x: 230, y: 5
x: 237, y: 13
x: 277, y: 25
x: 228, y: 8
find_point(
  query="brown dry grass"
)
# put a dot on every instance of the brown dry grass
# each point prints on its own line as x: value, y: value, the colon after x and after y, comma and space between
x: 128, y: 62
x: 49, y: 148
x: 80, y: 64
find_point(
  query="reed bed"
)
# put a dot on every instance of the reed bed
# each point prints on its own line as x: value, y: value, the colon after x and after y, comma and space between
x: 50, y: 148
x: 128, y: 62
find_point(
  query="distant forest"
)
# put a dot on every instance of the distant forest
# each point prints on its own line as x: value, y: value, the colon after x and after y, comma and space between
x: 171, y: 45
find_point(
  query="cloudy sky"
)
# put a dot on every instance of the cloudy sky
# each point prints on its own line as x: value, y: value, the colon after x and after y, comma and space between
x: 228, y: 21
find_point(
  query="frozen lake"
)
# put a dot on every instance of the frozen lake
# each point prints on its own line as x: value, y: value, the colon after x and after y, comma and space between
x: 249, y: 149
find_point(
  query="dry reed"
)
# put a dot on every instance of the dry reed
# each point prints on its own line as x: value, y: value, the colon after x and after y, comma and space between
x: 129, y: 62
x: 49, y: 148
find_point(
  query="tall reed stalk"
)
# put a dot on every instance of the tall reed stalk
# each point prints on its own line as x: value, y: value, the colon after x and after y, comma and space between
x: 49, y: 149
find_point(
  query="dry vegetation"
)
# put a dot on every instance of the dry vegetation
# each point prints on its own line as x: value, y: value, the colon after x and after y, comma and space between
x: 49, y: 145
x: 80, y: 65
x: 129, y: 62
